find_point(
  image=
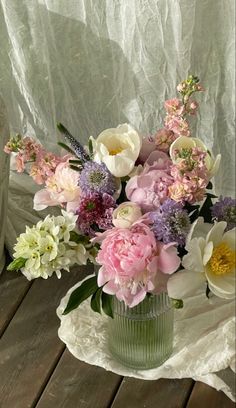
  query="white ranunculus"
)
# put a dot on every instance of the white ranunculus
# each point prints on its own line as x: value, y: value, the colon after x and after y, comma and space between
x: 126, y: 214
x: 211, y: 259
x: 184, y: 142
x: 118, y: 148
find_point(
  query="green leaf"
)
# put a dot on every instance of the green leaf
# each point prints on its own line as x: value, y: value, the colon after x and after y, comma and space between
x: 64, y: 146
x: 205, y: 211
x: 83, y: 292
x: 16, y: 264
x: 90, y: 145
x: 75, y: 161
x: 107, y: 304
x: 177, y: 303
x: 79, y: 239
x: 96, y: 301
x: 76, y: 168
x: 209, y: 186
x: 208, y: 292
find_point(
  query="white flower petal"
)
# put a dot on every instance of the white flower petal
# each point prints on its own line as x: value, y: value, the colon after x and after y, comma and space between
x: 216, y: 233
x: 180, y: 142
x: 207, y: 252
x: 194, y: 259
x: 229, y: 238
x: 185, y: 283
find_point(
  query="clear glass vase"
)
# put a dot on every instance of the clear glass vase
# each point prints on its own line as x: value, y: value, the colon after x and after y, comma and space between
x: 142, y: 337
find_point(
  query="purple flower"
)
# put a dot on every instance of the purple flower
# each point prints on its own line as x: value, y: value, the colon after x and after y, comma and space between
x: 225, y: 210
x: 95, y: 212
x: 97, y: 178
x: 171, y: 223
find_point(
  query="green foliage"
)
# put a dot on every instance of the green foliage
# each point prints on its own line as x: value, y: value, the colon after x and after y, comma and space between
x: 76, y: 168
x: 205, y: 211
x: 96, y: 301
x: 79, y: 239
x: 16, y: 264
x: 90, y: 145
x: 83, y: 292
x: 107, y: 304
x: 67, y: 148
x: 122, y: 198
x: 177, y: 303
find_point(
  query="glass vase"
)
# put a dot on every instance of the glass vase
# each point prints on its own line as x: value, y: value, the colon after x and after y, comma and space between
x: 142, y: 337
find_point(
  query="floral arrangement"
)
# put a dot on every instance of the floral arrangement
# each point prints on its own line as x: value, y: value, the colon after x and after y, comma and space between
x: 139, y: 207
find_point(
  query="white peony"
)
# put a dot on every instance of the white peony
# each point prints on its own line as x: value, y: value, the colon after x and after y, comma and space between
x: 118, y: 148
x: 210, y: 258
x: 184, y: 142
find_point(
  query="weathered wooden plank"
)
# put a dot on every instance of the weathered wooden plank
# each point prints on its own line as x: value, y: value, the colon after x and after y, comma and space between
x: 205, y: 396
x: 30, y: 347
x: 79, y: 385
x: 13, y: 288
x: 161, y: 393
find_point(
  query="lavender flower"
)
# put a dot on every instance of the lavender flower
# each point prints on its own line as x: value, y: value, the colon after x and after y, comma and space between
x: 225, y: 210
x: 95, y: 212
x: 96, y: 178
x: 171, y: 223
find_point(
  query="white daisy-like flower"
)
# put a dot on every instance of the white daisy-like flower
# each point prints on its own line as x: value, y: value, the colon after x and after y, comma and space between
x: 210, y: 258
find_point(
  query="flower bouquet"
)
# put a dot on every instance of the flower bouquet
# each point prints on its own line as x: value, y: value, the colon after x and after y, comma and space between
x: 141, y: 208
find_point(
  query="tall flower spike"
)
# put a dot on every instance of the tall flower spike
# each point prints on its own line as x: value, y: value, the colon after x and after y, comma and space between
x: 76, y: 146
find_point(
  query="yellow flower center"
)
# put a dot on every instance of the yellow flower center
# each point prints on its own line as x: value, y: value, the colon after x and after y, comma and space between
x: 113, y: 152
x: 222, y: 260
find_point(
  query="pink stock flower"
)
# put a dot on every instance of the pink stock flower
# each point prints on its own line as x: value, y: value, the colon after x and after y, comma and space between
x: 61, y: 189
x: 19, y: 162
x: 30, y: 148
x: 45, y: 166
x: 190, y: 189
x: 151, y: 188
x: 191, y: 107
x: 178, y: 125
x: 134, y: 263
x: 174, y: 107
x: 163, y: 139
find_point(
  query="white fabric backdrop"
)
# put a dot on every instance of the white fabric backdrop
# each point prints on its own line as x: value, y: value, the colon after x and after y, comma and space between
x: 4, y: 178
x: 92, y: 64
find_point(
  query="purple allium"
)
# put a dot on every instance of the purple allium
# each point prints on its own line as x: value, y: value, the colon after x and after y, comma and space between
x: 95, y: 212
x: 225, y: 210
x: 171, y: 222
x: 96, y: 178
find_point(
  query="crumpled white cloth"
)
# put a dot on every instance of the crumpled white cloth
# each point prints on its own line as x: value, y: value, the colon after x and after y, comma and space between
x: 204, y: 342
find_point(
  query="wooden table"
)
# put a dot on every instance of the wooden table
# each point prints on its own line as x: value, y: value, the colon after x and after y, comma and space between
x: 36, y: 370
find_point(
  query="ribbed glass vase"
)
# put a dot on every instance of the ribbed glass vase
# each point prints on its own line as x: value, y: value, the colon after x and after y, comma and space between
x: 142, y: 337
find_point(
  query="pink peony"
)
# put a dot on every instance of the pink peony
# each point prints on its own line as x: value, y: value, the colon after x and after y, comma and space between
x: 61, y: 188
x: 133, y: 263
x: 151, y: 188
x: 148, y: 145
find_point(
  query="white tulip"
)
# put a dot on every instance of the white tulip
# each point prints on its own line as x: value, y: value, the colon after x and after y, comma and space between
x: 118, y: 148
x: 184, y: 142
